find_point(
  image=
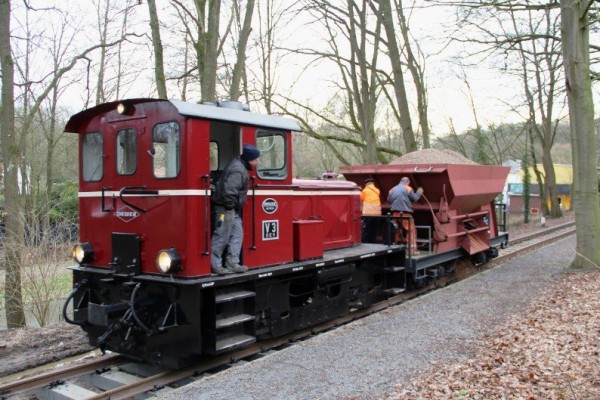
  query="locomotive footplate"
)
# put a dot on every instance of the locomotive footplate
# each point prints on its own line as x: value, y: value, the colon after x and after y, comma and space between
x: 330, y: 258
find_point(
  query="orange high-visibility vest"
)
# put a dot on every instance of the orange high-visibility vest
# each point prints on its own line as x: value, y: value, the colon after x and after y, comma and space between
x: 371, y: 202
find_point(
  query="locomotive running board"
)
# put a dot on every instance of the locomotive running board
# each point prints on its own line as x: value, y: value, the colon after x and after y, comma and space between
x: 330, y: 258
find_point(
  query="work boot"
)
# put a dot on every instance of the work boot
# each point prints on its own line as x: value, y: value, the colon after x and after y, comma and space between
x: 237, y: 268
x: 222, y: 271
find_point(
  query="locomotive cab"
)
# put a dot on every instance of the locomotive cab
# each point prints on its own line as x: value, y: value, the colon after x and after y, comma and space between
x: 147, y: 168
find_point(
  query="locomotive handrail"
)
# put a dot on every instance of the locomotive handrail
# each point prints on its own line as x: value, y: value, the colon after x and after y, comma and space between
x: 272, y: 186
x: 206, y: 213
x: 427, y: 170
x: 104, y: 209
x: 253, y: 179
x: 469, y: 231
x: 125, y: 190
x: 470, y: 215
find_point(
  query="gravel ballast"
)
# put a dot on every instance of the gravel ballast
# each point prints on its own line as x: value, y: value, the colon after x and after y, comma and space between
x: 369, y: 357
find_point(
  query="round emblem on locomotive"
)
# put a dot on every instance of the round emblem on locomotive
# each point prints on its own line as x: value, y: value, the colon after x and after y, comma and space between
x: 269, y: 206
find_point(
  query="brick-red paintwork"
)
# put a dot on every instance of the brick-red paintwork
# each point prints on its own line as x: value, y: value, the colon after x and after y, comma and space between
x: 467, y: 188
x: 182, y: 221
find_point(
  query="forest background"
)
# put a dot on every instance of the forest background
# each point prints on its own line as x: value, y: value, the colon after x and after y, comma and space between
x: 367, y: 80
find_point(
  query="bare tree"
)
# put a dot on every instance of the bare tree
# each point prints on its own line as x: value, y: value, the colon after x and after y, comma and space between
x: 384, y: 13
x: 417, y: 71
x: 540, y: 72
x: 576, y: 53
x: 108, y: 83
x: 159, y: 70
x: 208, y: 46
x: 240, y: 63
x: 202, y: 27
x: 103, y: 22
x: 13, y: 297
x: 525, y: 37
x: 35, y: 94
x: 349, y: 26
x: 270, y: 15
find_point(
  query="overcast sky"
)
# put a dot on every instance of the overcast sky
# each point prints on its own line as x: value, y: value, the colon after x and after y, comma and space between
x: 447, y: 93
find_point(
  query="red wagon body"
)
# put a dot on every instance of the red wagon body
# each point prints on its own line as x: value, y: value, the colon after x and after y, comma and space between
x: 457, y: 205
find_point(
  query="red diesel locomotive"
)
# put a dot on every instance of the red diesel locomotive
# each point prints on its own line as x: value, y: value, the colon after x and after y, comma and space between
x: 143, y: 285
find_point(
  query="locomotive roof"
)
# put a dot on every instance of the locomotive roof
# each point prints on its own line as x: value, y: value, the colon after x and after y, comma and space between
x: 227, y: 114
x: 219, y: 111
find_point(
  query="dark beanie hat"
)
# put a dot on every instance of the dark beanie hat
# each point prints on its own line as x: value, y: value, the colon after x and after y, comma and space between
x: 250, y: 152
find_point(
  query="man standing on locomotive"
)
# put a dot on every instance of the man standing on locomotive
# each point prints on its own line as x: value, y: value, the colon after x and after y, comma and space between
x: 229, y: 197
x: 401, y: 198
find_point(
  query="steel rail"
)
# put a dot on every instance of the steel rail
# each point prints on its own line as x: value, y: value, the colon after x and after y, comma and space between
x: 68, y: 372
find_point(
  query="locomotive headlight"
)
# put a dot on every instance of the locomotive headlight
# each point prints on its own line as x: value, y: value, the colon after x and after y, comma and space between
x: 121, y: 108
x: 168, y: 261
x: 83, y: 253
x: 125, y: 109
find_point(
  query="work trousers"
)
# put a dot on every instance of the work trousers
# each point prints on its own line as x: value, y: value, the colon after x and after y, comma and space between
x: 229, y: 234
x: 370, y: 228
x: 408, y: 227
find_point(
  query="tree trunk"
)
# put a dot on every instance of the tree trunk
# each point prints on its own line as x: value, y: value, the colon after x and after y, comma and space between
x: 418, y: 76
x: 575, y: 47
x: 385, y: 13
x: 13, y: 297
x: 102, y: 28
x: 551, y: 195
x: 207, y: 47
x: 159, y: 70
x: 363, y: 78
x: 240, y: 64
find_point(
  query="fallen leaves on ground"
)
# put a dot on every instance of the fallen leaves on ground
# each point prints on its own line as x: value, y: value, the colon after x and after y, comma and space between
x: 549, y: 351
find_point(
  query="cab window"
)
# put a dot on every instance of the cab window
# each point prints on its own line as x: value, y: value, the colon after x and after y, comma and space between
x: 126, y: 151
x: 214, y: 156
x: 273, y: 157
x: 166, y: 145
x: 92, y: 157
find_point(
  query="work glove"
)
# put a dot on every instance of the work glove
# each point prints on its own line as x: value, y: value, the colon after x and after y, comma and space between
x: 420, y: 190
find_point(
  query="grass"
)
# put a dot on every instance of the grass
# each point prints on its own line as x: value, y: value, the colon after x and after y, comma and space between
x: 42, y: 283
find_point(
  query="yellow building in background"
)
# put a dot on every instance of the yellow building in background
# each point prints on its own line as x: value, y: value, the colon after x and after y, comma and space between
x: 564, y: 182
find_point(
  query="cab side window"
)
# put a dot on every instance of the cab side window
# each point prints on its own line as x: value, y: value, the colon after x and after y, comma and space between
x: 126, y: 151
x: 92, y: 157
x: 273, y: 157
x: 166, y: 145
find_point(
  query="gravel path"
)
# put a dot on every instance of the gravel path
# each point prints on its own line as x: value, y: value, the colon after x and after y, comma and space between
x: 367, y: 358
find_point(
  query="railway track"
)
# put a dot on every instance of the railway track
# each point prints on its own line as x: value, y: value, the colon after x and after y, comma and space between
x: 115, y: 377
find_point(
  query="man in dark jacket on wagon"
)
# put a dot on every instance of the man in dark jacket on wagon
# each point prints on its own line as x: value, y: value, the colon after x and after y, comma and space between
x: 401, y: 198
x: 229, y: 198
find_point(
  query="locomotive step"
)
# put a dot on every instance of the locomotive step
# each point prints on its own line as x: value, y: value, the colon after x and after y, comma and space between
x: 234, y: 341
x: 394, y: 291
x: 232, y: 296
x: 233, y: 320
x: 393, y: 269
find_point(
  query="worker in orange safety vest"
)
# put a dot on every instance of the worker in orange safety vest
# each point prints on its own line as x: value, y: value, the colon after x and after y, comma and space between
x: 370, y: 201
